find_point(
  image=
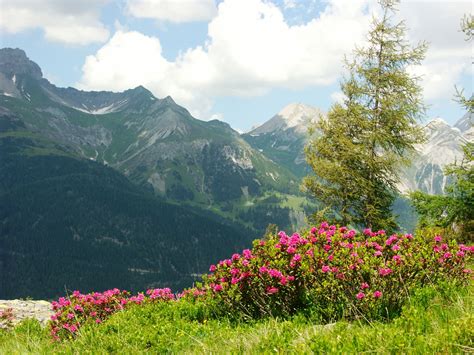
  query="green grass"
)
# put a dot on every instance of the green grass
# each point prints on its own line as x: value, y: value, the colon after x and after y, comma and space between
x: 433, y: 321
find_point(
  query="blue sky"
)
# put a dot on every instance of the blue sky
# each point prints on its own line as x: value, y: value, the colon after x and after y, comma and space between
x: 240, y: 61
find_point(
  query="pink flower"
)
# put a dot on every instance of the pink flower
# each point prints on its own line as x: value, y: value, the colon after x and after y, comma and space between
x: 377, y: 294
x: 396, y: 258
x: 291, y: 250
x: 245, y: 262
x: 275, y: 273
x: 70, y: 315
x: 93, y: 314
x: 324, y: 225
x: 313, y: 230
x: 367, y: 231
x: 325, y: 268
x: 310, y: 253
x: 217, y: 288
x: 460, y: 253
x: 272, y: 290
x: 447, y: 255
x: 98, y: 320
x: 263, y: 269
x: 212, y: 268
x: 235, y: 257
x: 391, y: 239
x: 283, y: 281
x: 378, y: 253
x: 327, y: 247
x: 247, y: 254
x: 396, y: 247
x: 297, y: 258
x: 331, y: 257
x: 364, y: 286
x: 384, y: 272
x: 73, y: 328
x: 360, y: 295
x: 409, y: 236
x: 438, y: 239
x: 78, y: 308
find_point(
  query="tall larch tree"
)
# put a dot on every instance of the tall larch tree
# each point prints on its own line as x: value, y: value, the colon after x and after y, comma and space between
x: 356, y: 151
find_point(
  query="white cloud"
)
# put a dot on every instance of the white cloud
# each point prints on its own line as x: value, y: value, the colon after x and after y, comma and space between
x: 449, y: 55
x: 250, y: 49
x: 173, y: 10
x: 128, y: 60
x: 70, y: 22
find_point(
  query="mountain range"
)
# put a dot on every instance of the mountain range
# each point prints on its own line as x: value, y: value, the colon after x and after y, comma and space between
x: 283, y: 137
x: 102, y: 189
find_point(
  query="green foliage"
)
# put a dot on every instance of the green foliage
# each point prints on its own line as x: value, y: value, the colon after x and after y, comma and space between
x: 467, y: 26
x: 363, y: 140
x: 331, y: 273
x: 453, y: 211
x: 434, y: 320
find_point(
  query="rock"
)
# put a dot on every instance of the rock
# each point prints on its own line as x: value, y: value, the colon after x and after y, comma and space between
x: 24, y: 309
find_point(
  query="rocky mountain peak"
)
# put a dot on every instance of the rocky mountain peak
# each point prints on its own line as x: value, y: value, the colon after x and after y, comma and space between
x: 437, y: 123
x: 13, y: 61
x: 168, y: 100
x: 466, y: 122
x: 295, y: 116
x: 297, y: 113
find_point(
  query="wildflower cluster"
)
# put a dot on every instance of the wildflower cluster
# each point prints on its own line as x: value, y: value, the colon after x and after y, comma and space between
x: 74, y: 311
x: 335, y: 272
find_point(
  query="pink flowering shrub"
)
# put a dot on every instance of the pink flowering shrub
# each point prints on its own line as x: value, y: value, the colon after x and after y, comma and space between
x: 74, y: 311
x: 332, y: 272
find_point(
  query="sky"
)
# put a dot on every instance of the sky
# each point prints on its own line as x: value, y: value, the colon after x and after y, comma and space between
x: 239, y: 61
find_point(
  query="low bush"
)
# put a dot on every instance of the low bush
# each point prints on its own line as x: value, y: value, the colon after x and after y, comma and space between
x: 332, y: 273
x: 78, y: 309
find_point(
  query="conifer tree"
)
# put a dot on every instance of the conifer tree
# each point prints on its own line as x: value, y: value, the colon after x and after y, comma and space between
x: 358, y: 149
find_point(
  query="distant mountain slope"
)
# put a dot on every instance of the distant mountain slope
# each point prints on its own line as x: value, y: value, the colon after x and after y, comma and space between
x: 155, y: 142
x: 72, y: 223
x: 443, y: 146
x: 283, y: 138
